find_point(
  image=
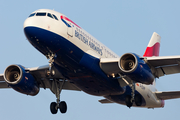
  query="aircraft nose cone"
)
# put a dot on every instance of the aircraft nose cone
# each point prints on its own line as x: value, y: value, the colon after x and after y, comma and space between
x: 27, y: 28
x: 31, y: 29
x: 29, y: 22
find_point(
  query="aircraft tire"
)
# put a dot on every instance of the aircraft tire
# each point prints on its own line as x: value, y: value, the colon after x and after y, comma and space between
x: 63, y: 107
x: 53, y: 107
x: 138, y: 100
x: 128, y: 101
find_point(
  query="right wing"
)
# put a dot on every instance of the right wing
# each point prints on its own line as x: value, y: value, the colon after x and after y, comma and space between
x: 2, y: 82
x: 45, y: 82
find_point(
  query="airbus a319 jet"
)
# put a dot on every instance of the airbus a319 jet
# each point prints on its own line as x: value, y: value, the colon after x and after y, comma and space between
x: 78, y: 61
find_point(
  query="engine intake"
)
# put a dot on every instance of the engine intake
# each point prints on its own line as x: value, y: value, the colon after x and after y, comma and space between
x: 21, y: 80
x: 128, y: 62
x: 135, y: 68
x: 12, y: 74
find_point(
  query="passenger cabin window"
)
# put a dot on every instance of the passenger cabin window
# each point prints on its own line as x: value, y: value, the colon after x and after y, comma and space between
x: 32, y: 14
x: 41, y: 14
x: 49, y: 15
x: 55, y: 17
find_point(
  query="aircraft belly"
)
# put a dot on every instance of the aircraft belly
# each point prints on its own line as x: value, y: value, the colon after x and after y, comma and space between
x: 120, y: 99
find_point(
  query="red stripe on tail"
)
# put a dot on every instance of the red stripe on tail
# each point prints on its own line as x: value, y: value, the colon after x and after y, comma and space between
x: 152, y: 51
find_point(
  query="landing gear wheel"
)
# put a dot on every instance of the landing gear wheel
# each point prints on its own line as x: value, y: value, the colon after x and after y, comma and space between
x: 128, y: 101
x: 53, y: 107
x: 138, y: 100
x: 63, y: 107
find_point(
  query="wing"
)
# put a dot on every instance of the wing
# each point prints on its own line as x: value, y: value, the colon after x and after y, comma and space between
x: 2, y: 82
x: 168, y: 95
x: 45, y: 82
x: 161, y: 66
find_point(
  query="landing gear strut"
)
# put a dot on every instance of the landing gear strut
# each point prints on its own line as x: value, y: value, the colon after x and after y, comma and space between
x: 130, y: 98
x: 56, y: 88
x: 61, y: 105
x: 51, y: 58
x: 132, y: 86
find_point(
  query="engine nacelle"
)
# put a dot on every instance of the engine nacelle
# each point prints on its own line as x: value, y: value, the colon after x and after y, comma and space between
x: 21, y: 80
x: 135, y: 68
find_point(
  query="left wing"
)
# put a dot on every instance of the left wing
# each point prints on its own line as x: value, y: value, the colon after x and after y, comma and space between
x: 161, y: 66
x: 168, y: 95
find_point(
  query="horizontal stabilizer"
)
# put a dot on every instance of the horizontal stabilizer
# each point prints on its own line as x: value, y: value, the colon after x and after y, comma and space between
x: 168, y: 95
x: 103, y: 101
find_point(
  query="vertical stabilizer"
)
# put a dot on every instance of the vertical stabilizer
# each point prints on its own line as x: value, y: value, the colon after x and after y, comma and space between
x: 153, y: 46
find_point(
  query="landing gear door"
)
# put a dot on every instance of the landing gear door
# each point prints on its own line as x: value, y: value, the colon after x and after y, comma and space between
x: 70, y: 30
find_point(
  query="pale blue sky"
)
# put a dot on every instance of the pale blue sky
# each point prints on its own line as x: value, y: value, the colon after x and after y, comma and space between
x: 124, y: 26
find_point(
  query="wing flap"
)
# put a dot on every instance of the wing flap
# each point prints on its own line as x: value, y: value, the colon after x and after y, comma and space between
x: 168, y: 95
x: 163, y: 61
x: 164, y: 65
x: 3, y: 85
x: 171, y: 69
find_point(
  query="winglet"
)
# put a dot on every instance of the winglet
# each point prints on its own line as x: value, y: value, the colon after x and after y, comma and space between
x: 153, y: 46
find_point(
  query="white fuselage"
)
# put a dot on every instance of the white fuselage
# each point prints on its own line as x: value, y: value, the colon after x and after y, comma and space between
x: 87, y: 43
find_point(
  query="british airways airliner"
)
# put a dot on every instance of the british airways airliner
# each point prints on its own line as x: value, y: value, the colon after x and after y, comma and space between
x: 78, y: 61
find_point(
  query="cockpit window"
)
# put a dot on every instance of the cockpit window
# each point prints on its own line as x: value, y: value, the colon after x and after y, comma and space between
x: 41, y: 14
x: 55, y: 17
x: 32, y: 14
x: 44, y: 14
x: 49, y: 15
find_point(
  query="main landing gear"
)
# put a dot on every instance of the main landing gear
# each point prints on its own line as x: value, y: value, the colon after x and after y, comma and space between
x: 56, y: 88
x: 133, y: 98
x: 61, y: 105
x: 130, y: 98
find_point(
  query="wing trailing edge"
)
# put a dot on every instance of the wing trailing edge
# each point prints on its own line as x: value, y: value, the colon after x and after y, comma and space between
x: 164, y: 65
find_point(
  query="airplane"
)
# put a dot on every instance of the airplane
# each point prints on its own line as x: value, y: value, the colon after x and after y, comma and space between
x: 79, y: 62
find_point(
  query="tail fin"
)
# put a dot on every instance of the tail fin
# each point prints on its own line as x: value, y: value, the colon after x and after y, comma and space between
x: 153, y: 46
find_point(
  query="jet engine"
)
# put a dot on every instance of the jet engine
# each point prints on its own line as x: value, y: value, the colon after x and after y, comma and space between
x: 135, y: 68
x: 21, y: 80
